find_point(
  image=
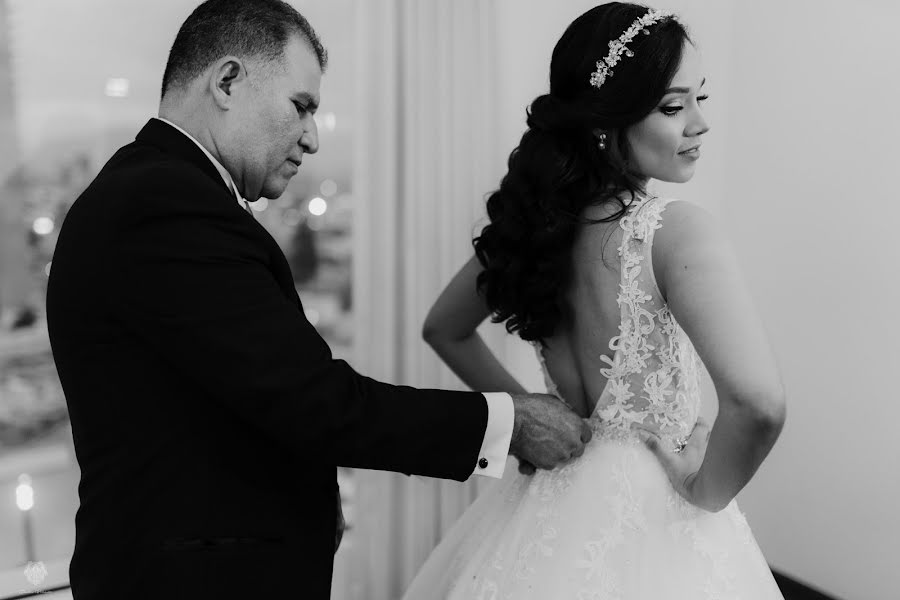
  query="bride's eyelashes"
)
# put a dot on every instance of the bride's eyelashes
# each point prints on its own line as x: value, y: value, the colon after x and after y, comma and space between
x: 672, y: 110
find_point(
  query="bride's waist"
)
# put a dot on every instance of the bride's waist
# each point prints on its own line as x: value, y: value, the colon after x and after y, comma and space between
x: 629, y: 429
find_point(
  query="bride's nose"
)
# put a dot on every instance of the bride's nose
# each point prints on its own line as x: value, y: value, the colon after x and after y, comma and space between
x: 697, y: 125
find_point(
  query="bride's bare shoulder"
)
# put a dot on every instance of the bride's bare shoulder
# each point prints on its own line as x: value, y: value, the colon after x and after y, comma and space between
x: 689, y: 235
x: 686, y: 225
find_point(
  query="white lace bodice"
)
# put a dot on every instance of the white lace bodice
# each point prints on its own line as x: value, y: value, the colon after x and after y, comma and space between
x: 653, y: 377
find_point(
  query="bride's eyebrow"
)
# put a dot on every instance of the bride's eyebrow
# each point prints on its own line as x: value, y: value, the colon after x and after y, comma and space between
x: 682, y: 90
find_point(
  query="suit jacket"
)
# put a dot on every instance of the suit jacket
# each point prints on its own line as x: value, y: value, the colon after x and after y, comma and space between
x: 208, y: 414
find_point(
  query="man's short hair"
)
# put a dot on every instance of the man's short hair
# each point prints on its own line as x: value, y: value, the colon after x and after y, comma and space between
x: 243, y: 28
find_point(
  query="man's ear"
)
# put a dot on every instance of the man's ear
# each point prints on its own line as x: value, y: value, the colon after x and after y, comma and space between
x: 227, y: 75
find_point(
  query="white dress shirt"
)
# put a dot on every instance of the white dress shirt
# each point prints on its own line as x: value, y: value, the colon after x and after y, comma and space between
x: 501, y: 414
x: 497, y: 435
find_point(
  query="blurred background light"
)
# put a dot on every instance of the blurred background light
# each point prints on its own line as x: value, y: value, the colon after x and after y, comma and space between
x: 328, y: 187
x: 318, y: 206
x: 24, y: 493
x: 292, y: 217
x: 117, y: 87
x: 327, y: 121
x: 43, y: 225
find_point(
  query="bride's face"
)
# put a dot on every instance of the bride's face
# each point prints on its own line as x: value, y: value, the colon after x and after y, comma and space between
x: 665, y: 145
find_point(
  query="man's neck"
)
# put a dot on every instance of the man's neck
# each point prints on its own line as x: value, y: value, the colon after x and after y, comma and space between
x: 206, y: 148
x: 192, y: 123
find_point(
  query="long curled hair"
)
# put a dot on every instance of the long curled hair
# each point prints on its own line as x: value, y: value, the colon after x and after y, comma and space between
x: 558, y: 170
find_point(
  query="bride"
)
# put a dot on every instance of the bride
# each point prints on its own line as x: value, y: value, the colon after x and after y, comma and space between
x: 622, y: 293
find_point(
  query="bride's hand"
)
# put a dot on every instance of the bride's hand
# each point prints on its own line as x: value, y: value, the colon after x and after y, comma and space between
x: 681, y: 467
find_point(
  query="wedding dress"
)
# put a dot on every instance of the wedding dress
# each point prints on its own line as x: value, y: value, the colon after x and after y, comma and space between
x: 609, y: 525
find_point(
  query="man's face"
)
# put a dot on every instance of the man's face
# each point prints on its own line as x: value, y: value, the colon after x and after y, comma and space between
x: 273, y: 125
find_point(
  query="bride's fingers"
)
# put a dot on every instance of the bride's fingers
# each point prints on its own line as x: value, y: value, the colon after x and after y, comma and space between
x: 700, y: 426
x: 652, y: 441
x: 647, y: 437
x: 701, y: 431
x: 671, y: 462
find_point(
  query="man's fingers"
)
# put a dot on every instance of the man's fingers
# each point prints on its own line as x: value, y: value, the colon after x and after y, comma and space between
x: 542, y: 464
x: 586, y: 433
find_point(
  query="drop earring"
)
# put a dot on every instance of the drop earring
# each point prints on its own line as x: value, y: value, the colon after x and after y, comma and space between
x: 602, y: 144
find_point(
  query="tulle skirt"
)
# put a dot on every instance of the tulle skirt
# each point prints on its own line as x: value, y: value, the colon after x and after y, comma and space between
x: 607, y: 526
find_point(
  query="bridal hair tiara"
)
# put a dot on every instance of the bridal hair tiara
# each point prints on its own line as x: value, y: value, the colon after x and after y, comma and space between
x: 617, y: 47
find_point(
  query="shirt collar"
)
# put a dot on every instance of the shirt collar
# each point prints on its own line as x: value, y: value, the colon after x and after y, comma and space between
x: 226, y: 176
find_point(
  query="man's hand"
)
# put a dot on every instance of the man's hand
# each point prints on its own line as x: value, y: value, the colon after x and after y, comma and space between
x: 546, y: 432
x: 526, y: 468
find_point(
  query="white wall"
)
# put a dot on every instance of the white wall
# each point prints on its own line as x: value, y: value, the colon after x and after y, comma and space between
x: 813, y: 208
x: 799, y: 163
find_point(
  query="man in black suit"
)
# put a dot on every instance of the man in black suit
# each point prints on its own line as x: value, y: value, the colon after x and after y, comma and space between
x: 208, y: 415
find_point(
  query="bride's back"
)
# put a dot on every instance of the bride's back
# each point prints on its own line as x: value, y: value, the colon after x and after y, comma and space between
x: 573, y: 353
x: 621, y: 358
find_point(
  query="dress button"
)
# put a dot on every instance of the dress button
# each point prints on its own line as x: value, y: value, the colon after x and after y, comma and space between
x: 483, y: 463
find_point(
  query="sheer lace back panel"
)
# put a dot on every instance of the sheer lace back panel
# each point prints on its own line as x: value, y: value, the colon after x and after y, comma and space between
x: 653, y: 377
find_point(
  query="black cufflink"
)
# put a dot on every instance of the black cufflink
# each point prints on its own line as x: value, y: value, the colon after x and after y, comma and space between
x: 483, y: 463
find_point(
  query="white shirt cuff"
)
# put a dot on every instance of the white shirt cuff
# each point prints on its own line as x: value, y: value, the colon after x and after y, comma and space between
x: 497, y: 435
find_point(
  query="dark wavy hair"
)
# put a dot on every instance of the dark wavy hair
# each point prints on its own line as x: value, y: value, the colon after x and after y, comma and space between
x: 558, y: 170
x: 244, y: 28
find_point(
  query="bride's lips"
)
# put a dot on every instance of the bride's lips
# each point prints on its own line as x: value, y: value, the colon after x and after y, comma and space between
x: 693, y: 152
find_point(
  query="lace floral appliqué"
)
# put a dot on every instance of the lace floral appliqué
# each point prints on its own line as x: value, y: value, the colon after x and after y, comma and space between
x: 654, y: 372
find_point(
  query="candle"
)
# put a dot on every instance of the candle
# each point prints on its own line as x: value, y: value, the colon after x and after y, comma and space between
x: 25, y: 502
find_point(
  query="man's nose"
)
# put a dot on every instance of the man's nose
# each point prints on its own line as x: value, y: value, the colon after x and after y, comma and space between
x: 309, y: 141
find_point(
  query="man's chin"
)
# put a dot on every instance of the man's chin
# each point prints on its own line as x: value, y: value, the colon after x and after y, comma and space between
x: 274, y: 191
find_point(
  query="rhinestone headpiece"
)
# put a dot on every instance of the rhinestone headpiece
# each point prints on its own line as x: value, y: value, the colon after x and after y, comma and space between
x: 617, y: 47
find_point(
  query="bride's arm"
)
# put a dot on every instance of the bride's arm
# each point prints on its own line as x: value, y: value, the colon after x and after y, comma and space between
x: 700, y: 279
x: 450, y: 329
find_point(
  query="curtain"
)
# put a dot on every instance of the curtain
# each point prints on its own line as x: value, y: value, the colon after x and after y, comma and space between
x: 14, y: 280
x: 425, y: 156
